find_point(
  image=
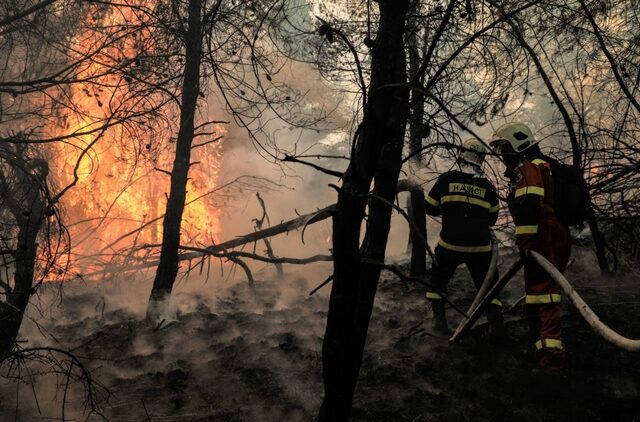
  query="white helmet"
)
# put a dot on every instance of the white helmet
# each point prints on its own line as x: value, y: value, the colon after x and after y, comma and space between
x: 517, y: 134
x: 473, y: 152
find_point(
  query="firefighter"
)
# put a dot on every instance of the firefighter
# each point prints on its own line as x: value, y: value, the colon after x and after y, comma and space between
x: 531, y: 203
x: 468, y: 204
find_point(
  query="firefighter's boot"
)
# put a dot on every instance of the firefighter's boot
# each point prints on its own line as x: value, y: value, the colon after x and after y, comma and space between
x: 496, y: 323
x: 439, y: 324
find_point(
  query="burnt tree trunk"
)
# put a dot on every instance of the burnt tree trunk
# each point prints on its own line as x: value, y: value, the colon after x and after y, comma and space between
x: 377, y: 153
x: 599, y: 244
x: 13, y: 313
x: 27, y: 205
x: 418, y: 246
x: 168, y: 265
x: 415, y: 53
x: 417, y: 131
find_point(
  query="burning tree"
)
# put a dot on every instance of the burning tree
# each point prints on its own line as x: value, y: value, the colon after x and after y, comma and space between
x: 127, y: 103
x: 191, y: 35
x: 227, y: 56
x: 91, y: 95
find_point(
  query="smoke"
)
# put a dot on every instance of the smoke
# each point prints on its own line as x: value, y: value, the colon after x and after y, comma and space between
x: 294, y: 188
x: 222, y: 344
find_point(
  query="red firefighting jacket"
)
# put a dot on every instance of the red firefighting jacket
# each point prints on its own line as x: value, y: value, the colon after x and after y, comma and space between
x: 531, y: 202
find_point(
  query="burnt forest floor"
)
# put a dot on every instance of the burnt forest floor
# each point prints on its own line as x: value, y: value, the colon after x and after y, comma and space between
x: 255, y: 355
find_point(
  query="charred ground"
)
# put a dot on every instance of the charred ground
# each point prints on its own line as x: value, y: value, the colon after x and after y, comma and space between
x: 255, y: 355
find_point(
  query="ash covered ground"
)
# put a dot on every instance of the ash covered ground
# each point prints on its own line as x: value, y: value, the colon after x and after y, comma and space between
x: 242, y: 354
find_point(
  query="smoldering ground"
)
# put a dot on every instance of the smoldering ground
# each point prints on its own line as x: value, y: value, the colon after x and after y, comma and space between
x: 233, y: 353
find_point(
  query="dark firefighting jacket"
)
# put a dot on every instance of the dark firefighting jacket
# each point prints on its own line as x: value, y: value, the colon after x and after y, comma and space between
x: 468, y: 204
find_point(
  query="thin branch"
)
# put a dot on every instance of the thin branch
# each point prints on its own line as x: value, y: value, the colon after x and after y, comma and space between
x: 26, y: 12
x: 352, y: 49
x: 610, y: 58
x: 268, y: 259
x: 324, y: 283
x: 290, y: 158
x: 246, y: 269
x: 415, y: 231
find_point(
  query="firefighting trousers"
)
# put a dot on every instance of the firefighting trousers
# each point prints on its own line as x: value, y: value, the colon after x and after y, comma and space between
x: 543, y: 296
x: 448, y: 260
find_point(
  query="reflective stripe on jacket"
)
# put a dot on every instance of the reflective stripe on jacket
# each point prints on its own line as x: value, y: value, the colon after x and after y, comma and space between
x: 469, y: 206
x: 531, y: 201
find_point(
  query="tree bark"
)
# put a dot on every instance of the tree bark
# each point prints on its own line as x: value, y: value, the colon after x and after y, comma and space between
x: 11, y: 317
x: 377, y: 153
x: 168, y: 265
x: 416, y: 133
x: 417, y: 226
x: 28, y: 208
x: 599, y: 244
x: 418, y: 246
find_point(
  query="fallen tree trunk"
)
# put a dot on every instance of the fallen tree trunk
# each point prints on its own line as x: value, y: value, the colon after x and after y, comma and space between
x: 269, y: 259
x: 194, y: 253
x: 287, y: 226
x: 592, y: 319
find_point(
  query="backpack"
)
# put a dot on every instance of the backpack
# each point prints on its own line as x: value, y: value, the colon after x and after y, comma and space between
x: 571, y: 194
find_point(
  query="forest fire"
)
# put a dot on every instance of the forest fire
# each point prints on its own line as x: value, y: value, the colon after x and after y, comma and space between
x: 512, y: 127
x: 117, y: 204
x: 121, y: 173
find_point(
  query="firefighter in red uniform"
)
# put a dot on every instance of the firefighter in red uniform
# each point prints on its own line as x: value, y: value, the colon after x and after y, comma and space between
x: 468, y: 204
x: 537, y: 228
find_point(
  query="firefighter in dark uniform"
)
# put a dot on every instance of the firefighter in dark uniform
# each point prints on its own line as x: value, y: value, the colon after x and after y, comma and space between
x: 531, y: 203
x: 468, y: 204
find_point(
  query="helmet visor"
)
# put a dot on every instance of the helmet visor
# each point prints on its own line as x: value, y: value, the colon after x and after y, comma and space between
x: 501, y: 146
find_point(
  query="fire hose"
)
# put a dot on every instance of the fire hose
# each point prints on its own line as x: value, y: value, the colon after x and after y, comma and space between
x: 482, y: 293
x: 587, y: 313
x: 592, y: 319
x: 486, y: 284
x: 466, y: 324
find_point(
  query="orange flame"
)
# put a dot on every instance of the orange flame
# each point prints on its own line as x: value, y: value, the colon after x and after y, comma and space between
x: 122, y: 171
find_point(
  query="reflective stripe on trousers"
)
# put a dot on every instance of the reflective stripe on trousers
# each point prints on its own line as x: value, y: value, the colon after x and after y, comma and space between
x: 549, y: 343
x: 465, y: 249
x: 546, y: 298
